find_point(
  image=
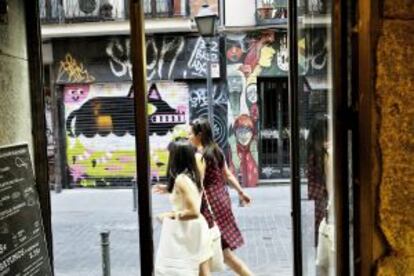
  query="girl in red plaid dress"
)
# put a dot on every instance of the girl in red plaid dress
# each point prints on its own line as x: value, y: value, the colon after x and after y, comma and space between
x: 316, y: 171
x: 215, y: 173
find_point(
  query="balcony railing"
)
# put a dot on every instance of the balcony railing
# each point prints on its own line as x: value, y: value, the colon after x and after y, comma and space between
x: 271, y: 12
x: 166, y: 8
x: 74, y: 11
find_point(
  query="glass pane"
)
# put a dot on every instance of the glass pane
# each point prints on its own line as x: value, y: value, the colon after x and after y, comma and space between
x: 97, y: 174
x: 315, y: 123
x: 257, y: 83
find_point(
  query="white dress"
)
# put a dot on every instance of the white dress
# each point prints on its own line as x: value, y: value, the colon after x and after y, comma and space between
x: 184, y: 244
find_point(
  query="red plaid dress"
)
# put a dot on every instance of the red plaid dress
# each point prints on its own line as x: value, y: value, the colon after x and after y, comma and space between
x: 317, y: 191
x: 219, y: 198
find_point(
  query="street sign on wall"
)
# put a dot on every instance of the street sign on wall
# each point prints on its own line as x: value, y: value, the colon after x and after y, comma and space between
x: 23, y: 249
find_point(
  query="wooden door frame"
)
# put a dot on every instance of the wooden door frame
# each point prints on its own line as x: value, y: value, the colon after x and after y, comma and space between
x: 367, y: 171
x: 139, y: 80
x: 34, y: 53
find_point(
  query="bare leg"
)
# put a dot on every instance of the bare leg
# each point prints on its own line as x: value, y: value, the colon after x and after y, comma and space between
x: 205, y: 268
x: 236, y: 264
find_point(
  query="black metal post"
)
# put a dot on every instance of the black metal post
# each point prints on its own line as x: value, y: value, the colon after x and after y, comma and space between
x: 61, y: 138
x: 294, y: 136
x: 106, y: 260
x: 134, y: 196
x: 343, y: 121
x: 153, y: 8
x: 209, y: 86
x: 57, y: 127
x: 279, y: 127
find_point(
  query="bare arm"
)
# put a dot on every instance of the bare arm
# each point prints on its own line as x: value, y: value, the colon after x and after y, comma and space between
x: 191, y: 211
x: 232, y: 180
x: 200, y: 165
x: 159, y: 189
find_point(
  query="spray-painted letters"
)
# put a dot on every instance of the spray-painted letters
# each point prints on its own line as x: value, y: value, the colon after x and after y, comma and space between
x: 168, y: 57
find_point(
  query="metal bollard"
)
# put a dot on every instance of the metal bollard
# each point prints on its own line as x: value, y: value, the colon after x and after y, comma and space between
x: 134, y: 196
x: 106, y: 262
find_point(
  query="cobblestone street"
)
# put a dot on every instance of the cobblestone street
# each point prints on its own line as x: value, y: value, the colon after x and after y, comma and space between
x: 80, y: 214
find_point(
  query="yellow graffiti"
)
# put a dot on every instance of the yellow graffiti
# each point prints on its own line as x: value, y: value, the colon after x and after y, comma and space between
x: 75, y: 71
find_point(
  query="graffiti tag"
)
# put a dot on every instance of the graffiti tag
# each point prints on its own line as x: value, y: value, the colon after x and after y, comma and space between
x: 73, y: 71
x: 162, y: 61
x: 197, y: 63
x: 119, y: 57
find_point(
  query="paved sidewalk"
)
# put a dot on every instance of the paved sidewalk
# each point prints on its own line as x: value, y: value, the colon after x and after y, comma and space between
x: 79, y: 215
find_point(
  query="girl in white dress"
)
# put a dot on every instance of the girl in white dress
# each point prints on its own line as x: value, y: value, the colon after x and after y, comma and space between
x: 185, y: 244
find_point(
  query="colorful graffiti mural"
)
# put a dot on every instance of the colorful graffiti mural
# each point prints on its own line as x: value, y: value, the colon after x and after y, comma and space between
x: 94, y: 115
x: 100, y: 130
x: 249, y: 56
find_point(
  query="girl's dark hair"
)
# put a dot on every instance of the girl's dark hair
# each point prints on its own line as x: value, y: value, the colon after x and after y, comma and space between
x: 182, y: 160
x: 212, y: 153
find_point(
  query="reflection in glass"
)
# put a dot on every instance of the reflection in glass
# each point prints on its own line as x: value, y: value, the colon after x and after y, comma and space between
x: 315, y: 121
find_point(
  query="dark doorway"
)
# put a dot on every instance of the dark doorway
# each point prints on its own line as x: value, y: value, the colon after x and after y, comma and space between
x: 273, y: 129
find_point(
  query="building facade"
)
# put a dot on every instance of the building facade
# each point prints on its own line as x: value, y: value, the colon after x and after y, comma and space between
x: 87, y: 52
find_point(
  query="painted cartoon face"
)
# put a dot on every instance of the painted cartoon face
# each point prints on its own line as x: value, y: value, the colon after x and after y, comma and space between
x: 268, y: 37
x: 244, y: 135
x: 251, y: 93
x: 266, y: 56
x: 235, y: 84
x: 75, y: 93
x: 234, y: 54
x: 235, y: 79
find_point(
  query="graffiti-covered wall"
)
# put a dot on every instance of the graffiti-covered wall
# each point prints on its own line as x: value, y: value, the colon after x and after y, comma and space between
x: 254, y: 55
x: 100, y: 130
x: 169, y: 57
x: 94, y: 76
x: 249, y: 56
x: 99, y: 108
x: 199, y: 108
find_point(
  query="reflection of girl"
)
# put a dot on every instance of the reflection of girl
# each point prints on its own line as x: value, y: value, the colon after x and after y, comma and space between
x: 216, y: 173
x: 320, y: 189
x: 317, y: 153
x: 184, y: 185
x: 244, y: 131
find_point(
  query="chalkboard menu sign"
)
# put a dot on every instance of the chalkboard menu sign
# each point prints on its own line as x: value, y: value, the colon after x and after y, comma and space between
x: 23, y: 250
